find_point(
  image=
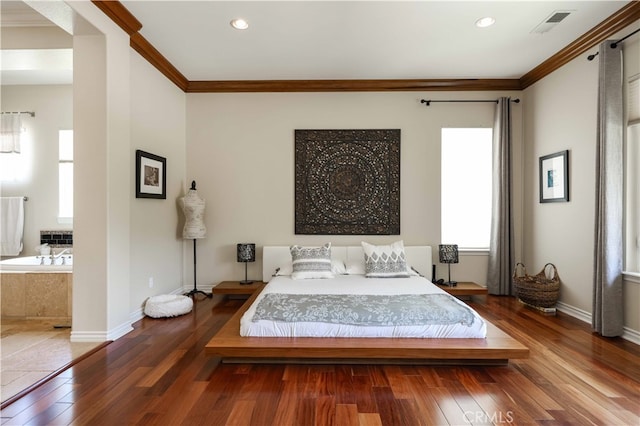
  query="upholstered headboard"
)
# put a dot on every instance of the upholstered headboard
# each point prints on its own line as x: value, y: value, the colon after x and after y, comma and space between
x: 273, y: 257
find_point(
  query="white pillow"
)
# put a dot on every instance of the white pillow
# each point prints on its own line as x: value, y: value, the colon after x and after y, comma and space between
x: 385, y: 261
x: 413, y: 272
x: 356, y: 268
x: 337, y: 267
x: 355, y: 261
x: 311, y: 262
x: 284, y: 270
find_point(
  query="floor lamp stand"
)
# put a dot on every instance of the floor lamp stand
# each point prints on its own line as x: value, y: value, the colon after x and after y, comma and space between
x: 195, y: 288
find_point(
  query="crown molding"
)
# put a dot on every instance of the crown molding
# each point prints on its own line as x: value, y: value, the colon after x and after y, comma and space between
x: 624, y: 17
x: 351, y: 85
x: 155, y: 58
x: 120, y: 15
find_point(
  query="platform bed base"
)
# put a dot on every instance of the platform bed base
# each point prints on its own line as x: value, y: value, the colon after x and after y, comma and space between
x: 227, y: 344
x: 366, y: 361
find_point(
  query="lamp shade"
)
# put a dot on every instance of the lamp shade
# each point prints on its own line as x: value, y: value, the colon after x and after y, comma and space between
x: 448, y: 253
x: 246, y: 252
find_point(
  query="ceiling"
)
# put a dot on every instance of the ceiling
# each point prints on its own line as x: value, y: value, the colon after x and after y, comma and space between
x: 357, y: 40
x: 360, y: 39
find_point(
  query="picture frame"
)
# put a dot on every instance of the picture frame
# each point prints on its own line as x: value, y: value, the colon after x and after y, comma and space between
x: 554, y: 177
x: 151, y: 175
x: 347, y: 181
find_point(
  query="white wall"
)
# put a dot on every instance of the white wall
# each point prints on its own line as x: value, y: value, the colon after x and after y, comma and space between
x: 35, y: 38
x: 53, y: 106
x: 157, y: 126
x: 560, y: 112
x: 121, y: 104
x: 240, y: 150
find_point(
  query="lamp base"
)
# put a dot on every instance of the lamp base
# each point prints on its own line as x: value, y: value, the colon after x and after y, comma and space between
x: 245, y: 281
x: 451, y: 283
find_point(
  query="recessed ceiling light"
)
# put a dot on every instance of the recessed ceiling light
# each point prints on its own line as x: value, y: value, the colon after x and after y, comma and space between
x: 239, y: 24
x: 485, y: 22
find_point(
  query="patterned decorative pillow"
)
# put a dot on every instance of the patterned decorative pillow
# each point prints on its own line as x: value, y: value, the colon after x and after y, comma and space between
x: 311, y: 262
x: 385, y: 261
x: 337, y: 267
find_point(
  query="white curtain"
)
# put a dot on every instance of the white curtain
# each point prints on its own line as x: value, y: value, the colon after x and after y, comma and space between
x: 608, y: 306
x: 501, y: 252
x: 10, y: 132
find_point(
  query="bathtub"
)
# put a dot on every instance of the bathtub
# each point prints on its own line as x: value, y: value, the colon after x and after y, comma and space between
x: 33, y: 264
x: 29, y: 290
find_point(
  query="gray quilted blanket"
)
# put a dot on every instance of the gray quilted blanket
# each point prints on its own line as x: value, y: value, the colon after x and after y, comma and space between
x: 365, y: 310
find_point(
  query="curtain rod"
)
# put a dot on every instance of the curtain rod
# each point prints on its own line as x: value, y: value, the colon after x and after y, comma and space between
x: 495, y: 101
x: 613, y: 45
x: 25, y: 198
x: 31, y: 113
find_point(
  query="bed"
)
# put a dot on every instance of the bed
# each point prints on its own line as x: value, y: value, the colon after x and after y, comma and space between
x: 247, y: 338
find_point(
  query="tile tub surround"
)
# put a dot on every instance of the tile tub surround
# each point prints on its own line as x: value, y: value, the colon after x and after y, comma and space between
x: 36, y: 295
x: 57, y: 238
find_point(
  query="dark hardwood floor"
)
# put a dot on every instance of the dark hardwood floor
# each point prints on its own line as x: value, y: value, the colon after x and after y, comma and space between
x: 159, y: 374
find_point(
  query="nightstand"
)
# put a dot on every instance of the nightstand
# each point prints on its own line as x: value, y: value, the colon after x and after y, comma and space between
x: 466, y: 289
x: 235, y: 288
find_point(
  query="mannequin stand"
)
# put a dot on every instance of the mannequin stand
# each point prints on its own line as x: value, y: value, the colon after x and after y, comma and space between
x: 195, y: 288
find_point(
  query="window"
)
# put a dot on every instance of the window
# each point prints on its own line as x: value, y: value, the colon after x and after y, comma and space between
x: 65, y: 175
x: 13, y: 164
x: 632, y: 198
x: 466, y: 187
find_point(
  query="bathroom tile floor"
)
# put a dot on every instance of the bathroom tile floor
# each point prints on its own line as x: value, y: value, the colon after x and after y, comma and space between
x: 31, y: 350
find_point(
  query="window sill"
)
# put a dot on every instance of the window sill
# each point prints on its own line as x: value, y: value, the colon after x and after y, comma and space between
x: 65, y: 220
x: 473, y: 252
x: 632, y: 277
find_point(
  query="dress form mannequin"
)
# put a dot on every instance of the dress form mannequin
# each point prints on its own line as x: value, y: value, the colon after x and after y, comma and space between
x: 193, y: 207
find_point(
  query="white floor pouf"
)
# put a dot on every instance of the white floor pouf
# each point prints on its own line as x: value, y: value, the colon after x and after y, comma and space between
x: 168, y: 305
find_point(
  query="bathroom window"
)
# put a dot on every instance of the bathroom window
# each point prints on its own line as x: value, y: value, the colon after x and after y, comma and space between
x: 15, y: 166
x: 65, y: 176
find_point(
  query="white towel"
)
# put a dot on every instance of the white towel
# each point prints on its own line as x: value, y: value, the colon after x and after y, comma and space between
x: 11, y: 225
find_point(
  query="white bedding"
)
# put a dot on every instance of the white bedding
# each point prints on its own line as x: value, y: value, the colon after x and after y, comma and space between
x: 354, y: 284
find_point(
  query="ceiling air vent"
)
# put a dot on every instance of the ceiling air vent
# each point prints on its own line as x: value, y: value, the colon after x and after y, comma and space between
x: 551, y: 21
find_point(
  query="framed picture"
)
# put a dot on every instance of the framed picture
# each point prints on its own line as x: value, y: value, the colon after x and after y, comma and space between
x: 554, y: 177
x: 151, y: 175
x: 347, y: 182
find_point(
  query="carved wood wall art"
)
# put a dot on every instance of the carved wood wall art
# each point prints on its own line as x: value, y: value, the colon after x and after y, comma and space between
x: 347, y: 182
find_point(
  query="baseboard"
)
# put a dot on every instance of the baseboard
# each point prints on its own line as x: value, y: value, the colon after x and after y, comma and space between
x: 631, y: 335
x: 205, y: 288
x: 628, y: 334
x: 101, y: 336
x: 574, y: 312
x: 136, y: 315
x: 88, y: 336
